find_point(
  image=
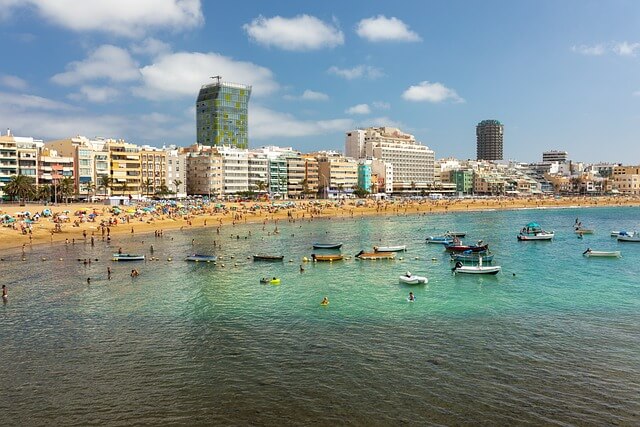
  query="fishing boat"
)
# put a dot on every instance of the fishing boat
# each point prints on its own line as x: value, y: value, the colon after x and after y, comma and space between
x: 605, y: 254
x: 262, y: 257
x: 533, y: 231
x: 442, y: 240
x: 328, y: 258
x: 327, y: 245
x: 127, y: 257
x: 375, y: 255
x: 476, y: 269
x: 201, y: 258
x: 479, y: 247
x: 629, y: 237
x: 472, y: 256
x: 398, y: 248
x: 412, y: 279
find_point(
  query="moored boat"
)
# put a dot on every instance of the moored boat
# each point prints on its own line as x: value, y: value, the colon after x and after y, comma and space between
x: 398, y: 248
x: 476, y: 269
x: 471, y: 248
x: 375, y: 255
x: 328, y: 258
x: 456, y: 233
x: 263, y: 257
x: 201, y: 258
x: 629, y: 237
x: 533, y: 231
x: 127, y: 257
x: 412, y: 279
x: 443, y: 240
x: 327, y: 245
x: 605, y: 254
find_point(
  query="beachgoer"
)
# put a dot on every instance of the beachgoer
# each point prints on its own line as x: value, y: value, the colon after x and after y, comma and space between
x: 5, y: 294
x: 411, y: 296
x: 134, y: 273
x: 408, y: 274
x: 88, y: 280
x: 108, y: 273
x: 119, y: 250
x: 325, y: 301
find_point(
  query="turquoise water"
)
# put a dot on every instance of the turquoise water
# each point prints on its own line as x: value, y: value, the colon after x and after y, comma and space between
x: 553, y: 339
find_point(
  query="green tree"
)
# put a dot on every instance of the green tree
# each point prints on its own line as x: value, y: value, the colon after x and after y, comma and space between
x: 66, y: 188
x: 360, y: 192
x: 20, y: 187
x: 105, y: 183
x: 147, y: 186
x: 44, y: 192
x: 90, y: 188
x: 177, y: 183
x: 340, y: 189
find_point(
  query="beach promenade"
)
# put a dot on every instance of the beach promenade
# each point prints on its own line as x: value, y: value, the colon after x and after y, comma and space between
x: 81, y: 221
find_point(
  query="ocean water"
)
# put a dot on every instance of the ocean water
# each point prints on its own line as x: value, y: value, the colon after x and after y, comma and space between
x: 553, y: 339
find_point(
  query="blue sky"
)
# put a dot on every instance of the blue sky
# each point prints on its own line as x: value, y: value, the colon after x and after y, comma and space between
x: 558, y: 74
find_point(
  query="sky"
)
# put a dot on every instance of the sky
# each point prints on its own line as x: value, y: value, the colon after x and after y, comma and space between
x: 558, y: 74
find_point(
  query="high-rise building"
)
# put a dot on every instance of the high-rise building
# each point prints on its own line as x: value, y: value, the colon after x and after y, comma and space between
x: 222, y: 114
x: 489, y: 140
x: 554, y: 156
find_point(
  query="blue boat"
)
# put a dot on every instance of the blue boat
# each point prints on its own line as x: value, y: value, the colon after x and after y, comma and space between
x: 327, y: 245
x: 201, y: 258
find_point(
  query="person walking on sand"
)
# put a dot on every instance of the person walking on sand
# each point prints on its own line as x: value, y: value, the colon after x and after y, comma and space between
x: 108, y: 273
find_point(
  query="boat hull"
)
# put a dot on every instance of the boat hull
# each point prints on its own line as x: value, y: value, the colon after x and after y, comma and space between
x: 413, y: 280
x: 201, y: 258
x: 127, y: 257
x: 326, y: 258
x: 467, y: 269
x: 540, y: 236
x: 398, y: 248
x: 603, y: 254
x: 376, y: 255
x: 327, y: 245
x: 268, y: 257
x: 463, y: 248
x: 439, y: 240
x: 633, y: 238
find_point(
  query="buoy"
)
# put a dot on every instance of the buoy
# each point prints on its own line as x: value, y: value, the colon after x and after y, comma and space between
x: 434, y: 259
x: 169, y: 259
x: 235, y: 264
x: 401, y: 258
x: 416, y: 258
x: 24, y: 259
x: 248, y: 257
x: 232, y: 256
x: 44, y: 259
x: 221, y: 265
x: 60, y: 259
x: 305, y: 259
x: 290, y: 260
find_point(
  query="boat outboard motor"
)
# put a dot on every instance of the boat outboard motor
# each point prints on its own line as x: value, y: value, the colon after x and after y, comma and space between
x: 359, y: 253
x: 457, y: 266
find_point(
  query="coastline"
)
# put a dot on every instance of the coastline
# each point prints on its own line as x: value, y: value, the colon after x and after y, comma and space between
x: 240, y: 213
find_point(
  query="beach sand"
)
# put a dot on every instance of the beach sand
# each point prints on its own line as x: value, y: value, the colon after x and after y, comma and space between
x: 43, y: 230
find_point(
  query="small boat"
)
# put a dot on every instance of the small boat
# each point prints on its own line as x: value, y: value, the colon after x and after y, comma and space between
x: 476, y: 269
x: 629, y: 237
x: 327, y: 245
x: 412, y: 279
x: 268, y: 257
x: 615, y: 233
x: 201, y: 258
x: 398, y: 248
x: 456, y: 233
x: 375, y: 255
x: 472, y: 248
x: 533, y: 231
x: 329, y: 258
x: 127, y: 257
x: 472, y: 256
x: 584, y: 231
x: 605, y: 254
x: 443, y: 240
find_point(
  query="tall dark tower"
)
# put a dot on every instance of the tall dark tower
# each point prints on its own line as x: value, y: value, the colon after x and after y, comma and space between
x: 222, y: 114
x: 490, y: 139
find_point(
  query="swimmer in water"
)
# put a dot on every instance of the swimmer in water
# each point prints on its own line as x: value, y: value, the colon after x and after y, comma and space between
x: 325, y: 301
x: 412, y: 298
x: 5, y: 295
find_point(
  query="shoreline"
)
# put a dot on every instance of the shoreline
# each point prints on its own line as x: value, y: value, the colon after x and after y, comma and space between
x: 237, y: 213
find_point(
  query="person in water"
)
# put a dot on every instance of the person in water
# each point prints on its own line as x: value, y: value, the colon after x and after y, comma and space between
x: 407, y: 274
x: 5, y: 295
x: 134, y: 273
x: 325, y: 301
x: 411, y: 296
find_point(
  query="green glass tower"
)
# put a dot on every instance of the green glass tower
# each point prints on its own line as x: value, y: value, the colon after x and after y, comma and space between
x: 221, y: 114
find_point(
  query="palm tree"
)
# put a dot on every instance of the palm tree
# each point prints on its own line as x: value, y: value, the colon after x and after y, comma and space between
x: 105, y: 182
x: 20, y: 186
x: 177, y: 183
x: 90, y: 187
x: 44, y: 192
x: 147, y: 184
x: 66, y: 187
x: 340, y: 188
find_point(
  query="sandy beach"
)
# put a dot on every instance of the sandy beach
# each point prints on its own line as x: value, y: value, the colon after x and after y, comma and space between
x: 83, y: 221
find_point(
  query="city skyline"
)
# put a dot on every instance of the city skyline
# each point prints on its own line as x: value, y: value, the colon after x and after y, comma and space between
x: 559, y: 76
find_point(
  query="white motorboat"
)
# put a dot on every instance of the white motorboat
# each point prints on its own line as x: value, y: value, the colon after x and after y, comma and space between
x: 127, y: 257
x: 533, y: 231
x: 476, y: 269
x: 629, y: 237
x: 398, y: 248
x: 605, y: 254
x: 412, y: 279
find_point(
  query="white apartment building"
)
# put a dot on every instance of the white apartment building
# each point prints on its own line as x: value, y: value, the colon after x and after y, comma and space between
x: 413, y: 163
x: 235, y: 169
x: 258, y: 172
x: 176, y: 171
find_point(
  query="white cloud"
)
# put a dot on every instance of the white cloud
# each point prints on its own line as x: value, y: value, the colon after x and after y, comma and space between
x: 595, y: 50
x: 381, y: 28
x: 265, y: 123
x: 98, y: 94
x: 381, y: 105
x: 309, y: 95
x: 106, y: 62
x: 300, y: 33
x: 150, y: 46
x: 430, y: 92
x: 636, y: 93
x: 12, y: 82
x: 121, y: 17
x: 356, y: 72
x: 182, y: 74
x: 22, y: 102
x: 380, y: 122
x: 626, y: 48
x: 358, y: 109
